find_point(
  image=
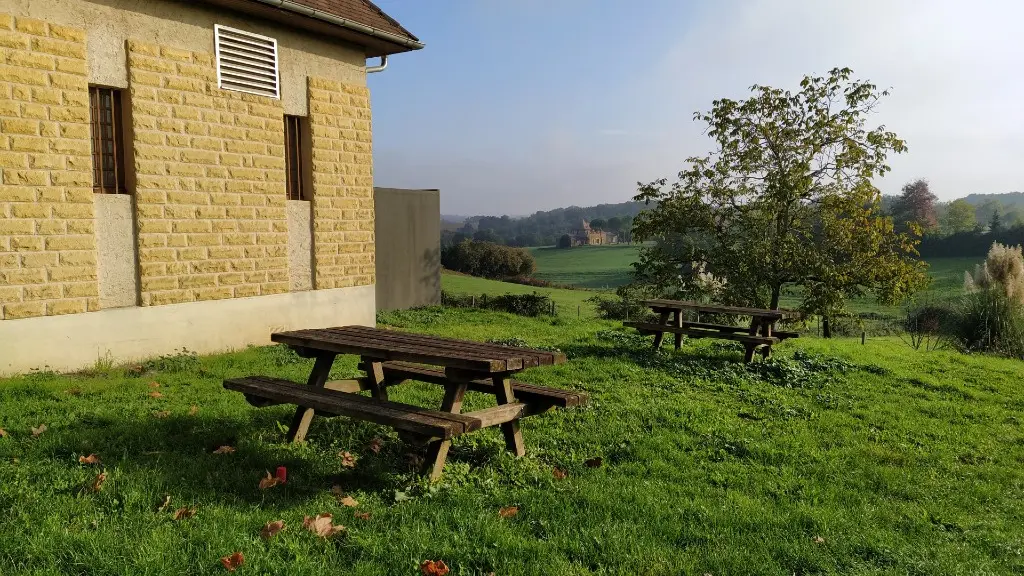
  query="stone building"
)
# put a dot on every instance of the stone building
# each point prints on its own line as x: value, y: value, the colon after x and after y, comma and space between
x: 183, y: 174
x: 584, y: 235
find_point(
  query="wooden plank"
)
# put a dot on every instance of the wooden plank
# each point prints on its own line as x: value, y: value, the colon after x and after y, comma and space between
x: 659, y: 335
x: 510, y: 430
x: 785, y: 334
x: 381, y: 339
x: 528, y: 393
x: 679, y: 324
x: 375, y: 380
x: 545, y: 357
x: 504, y: 413
x: 431, y: 423
x: 304, y: 414
x: 659, y: 304
x: 373, y: 345
x: 437, y: 451
x: 390, y: 353
x: 695, y: 333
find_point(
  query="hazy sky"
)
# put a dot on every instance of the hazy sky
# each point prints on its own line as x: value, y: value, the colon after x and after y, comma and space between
x: 524, y: 105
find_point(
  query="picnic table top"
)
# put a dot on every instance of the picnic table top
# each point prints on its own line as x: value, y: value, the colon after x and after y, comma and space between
x: 660, y: 304
x: 385, y: 345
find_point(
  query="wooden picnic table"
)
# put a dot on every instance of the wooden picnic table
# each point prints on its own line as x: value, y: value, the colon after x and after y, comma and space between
x: 760, y: 333
x: 391, y: 357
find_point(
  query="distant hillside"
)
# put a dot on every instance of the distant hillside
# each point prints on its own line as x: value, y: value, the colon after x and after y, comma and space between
x: 1007, y: 200
x: 542, y: 228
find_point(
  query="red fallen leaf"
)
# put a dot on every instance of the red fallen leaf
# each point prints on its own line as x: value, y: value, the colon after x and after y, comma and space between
x: 269, y: 481
x: 558, y: 473
x: 193, y: 410
x: 433, y: 568
x: 90, y: 459
x: 271, y: 529
x: 161, y: 413
x: 375, y: 445
x: 508, y: 511
x: 347, y: 459
x: 154, y: 385
x: 233, y: 561
x: 3, y: 433
x: 37, y: 431
x: 819, y: 540
x: 363, y: 515
x: 281, y: 474
x: 322, y: 525
x: 155, y: 394
x: 348, y: 501
x: 97, y: 482
x: 184, y: 513
x: 225, y: 450
x: 594, y: 462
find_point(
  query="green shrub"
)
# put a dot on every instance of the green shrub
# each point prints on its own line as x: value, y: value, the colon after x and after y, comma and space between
x: 532, y: 305
x: 990, y: 321
x: 488, y: 260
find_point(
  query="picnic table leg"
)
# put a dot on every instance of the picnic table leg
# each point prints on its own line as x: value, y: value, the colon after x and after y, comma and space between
x: 659, y: 336
x: 513, y: 435
x: 679, y: 324
x: 303, y: 416
x: 766, y: 330
x: 748, y: 355
x: 437, y: 451
x: 375, y: 379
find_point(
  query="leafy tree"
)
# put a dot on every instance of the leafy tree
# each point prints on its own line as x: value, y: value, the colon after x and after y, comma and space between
x: 785, y: 200
x: 614, y: 224
x: 959, y: 217
x: 486, y: 236
x: 598, y: 224
x: 916, y: 207
x: 565, y: 241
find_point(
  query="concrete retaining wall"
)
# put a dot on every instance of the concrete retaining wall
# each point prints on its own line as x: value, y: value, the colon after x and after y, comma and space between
x: 408, y: 233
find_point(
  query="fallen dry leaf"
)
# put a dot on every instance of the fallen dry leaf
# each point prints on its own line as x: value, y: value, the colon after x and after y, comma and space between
x: 375, y: 445
x: 271, y: 529
x: 90, y: 459
x: 155, y: 394
x: 97, y: 482
x: 348, y: 501
x: 322, y: 525
x: 594, y: 462
x: 184, y: 513
x: 225, y: 450
x: 433, y: 568
x: 558, y: 473
x: 193, y: 410
x: 3, y: 433
x: 819, y: 540
x: 154, y: 384
x: 508, y: 511
x: 347, y: 459
x: 233, y: 561
x: 161, y: 413
x: 166, y: 504
x: 74, y: 391
x: 37, y: 431
x: 269, y: 481
x: 363, y: 515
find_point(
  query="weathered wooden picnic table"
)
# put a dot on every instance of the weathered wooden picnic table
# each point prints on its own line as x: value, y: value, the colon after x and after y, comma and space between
x: 390, y: 358
x: 760, y: 333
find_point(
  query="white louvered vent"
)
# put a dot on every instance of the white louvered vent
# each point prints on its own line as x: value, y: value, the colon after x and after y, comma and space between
x: 246, y: 62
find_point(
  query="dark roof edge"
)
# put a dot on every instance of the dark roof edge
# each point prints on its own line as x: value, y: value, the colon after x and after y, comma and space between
x: 410, y: 42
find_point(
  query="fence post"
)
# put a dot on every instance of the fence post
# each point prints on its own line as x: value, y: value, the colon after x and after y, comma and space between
x: 863, y: 336
x: 472, y: 301
x: 552, y: 307
x: 577, y: 312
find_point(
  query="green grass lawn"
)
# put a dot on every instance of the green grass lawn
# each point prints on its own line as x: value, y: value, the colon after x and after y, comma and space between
x: 834, y: 458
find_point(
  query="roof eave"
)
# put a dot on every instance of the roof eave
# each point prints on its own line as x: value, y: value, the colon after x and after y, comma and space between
x: 377, y: 42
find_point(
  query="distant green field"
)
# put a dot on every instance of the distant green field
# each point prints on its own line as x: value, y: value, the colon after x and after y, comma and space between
x: 608, y: 267
x: 599, y: 267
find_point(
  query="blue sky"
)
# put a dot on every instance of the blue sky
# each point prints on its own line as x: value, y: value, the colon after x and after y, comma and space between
x: 517, y: 106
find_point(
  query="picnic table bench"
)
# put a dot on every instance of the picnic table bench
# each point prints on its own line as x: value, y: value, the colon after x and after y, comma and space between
x: 759, y: 334
x: 390, y: 358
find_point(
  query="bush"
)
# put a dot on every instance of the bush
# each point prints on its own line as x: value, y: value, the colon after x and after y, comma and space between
x: 989, y: 321
x: 521, y: 304
x: 488, y: 260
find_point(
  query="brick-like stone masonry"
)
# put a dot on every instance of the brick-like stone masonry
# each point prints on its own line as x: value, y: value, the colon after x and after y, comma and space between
x: 210, y: 181
x: 343, y: 217
x: 47, y: 247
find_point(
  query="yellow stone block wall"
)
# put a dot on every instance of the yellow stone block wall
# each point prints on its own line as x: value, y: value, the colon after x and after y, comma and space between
x: 343, y: 217
x: 210, y: 181
x: 47, y: 243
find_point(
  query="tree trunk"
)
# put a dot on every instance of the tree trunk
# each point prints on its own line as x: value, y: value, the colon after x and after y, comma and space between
x: 826, y: 329
x: 776, y: 293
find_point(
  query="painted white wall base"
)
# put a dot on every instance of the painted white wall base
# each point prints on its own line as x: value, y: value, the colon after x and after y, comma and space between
x: 77, y: 341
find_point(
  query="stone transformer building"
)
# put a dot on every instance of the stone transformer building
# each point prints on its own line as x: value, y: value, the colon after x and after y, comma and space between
x: 183, y: 174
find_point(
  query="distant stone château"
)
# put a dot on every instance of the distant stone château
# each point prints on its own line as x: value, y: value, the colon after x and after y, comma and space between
x: 584, y: 235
